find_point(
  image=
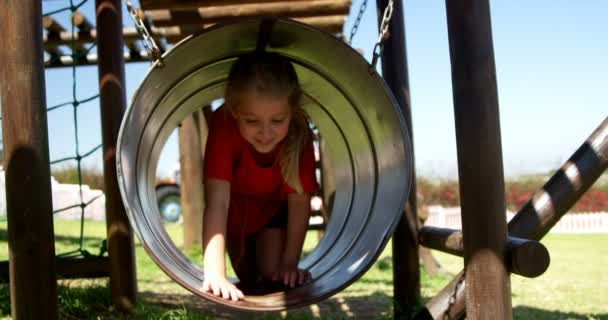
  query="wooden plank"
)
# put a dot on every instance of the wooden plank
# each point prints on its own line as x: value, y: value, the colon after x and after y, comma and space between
x: 55, y: 30
x: 53, y: 50
x: 191, y: 175
x: 81, y: 22
x: 331, y: 24
x: 527, y: 258
x: 65, y: 37
x: 480, y: 166
x: 31, y: 246
x: 121, y: 249
x: 91, y: 59
x: 287, y: 9
x: 406, y: 266
x: 193, y: 4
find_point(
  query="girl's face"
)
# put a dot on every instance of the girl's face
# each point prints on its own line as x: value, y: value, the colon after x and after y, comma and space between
x: 263, y: 121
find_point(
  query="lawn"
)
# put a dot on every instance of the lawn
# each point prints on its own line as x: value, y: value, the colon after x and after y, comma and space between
x: 574, y: 287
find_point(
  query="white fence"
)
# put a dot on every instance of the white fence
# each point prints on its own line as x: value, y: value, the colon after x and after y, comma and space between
x: 67, y: 195
x: 592, y: 222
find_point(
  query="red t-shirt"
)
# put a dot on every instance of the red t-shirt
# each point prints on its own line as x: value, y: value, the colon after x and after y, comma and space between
x: 256, y: 192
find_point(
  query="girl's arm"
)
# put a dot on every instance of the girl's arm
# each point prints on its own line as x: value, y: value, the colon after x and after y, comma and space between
x: 217, y: 194
x: 298, y: 213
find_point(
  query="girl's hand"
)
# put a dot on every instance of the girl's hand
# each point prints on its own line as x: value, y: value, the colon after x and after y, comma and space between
x: 291, y: 275
x: 221, y: 287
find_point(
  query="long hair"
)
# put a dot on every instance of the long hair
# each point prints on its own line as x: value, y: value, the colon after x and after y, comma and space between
x: 272, y: 75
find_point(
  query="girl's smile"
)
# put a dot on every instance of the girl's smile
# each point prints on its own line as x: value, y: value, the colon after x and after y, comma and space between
x: 263, y: 121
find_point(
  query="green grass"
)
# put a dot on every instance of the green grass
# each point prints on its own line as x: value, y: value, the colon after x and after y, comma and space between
x: 574, y: 287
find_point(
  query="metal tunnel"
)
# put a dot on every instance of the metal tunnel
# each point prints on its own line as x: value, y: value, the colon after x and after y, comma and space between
x: 348, y: 102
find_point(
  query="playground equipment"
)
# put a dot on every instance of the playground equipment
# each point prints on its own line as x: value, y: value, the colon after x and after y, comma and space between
x: 486, y: 276
x: 347, y: 101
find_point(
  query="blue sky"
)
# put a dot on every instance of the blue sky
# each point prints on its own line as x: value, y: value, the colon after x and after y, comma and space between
x: 552, y: 73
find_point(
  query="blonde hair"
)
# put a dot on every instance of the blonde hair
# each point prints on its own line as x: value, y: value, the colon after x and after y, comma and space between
x: 272, y: 75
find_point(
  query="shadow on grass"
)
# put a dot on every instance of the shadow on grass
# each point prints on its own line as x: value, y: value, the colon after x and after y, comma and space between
x: 95, y: 302
x: 374, y: 306
x: 65, y: 239
x: 525, y: 313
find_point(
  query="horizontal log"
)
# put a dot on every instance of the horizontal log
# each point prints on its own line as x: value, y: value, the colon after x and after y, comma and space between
x: 528, y: 258
x: 71, y: 268
x: 53, y: 28
x: 129, y: 34
x: 91, y: 59
x: 286, y: 9
x: 81, y: 22
x: 193, y: 4
x: 55, y: 32
x: 331, y: 24
x: 51, y: 25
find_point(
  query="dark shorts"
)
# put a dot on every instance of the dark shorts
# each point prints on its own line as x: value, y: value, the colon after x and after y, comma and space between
x: 245, y: 266
x: 279, y: 221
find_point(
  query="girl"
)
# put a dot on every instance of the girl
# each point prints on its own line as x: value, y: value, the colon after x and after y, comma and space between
x: 259, y: 172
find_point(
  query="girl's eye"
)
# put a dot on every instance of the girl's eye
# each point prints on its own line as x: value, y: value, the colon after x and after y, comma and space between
x: 250, y: 121
x: 278, y: 121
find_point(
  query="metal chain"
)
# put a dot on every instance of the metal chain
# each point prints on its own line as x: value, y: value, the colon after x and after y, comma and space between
x: 148, y: 41
x: 355, y: 28
x: 383, y: 32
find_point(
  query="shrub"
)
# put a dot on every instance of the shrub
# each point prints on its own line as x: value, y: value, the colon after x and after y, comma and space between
x: 92, y: 177
x: 518, y: 191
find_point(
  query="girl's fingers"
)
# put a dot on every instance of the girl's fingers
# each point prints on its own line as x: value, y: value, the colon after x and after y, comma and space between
x: 216, y: 289
x: 240, y: 294
x: 286, y: 278
x: 293, y: 276
x: 225, y: 291
x: 205, y: 287
x: 233, y: 294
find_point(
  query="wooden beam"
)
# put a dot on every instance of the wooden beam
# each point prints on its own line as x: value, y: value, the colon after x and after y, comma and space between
x: 31, y: 245
x: 55, y: 30
x: 191, y: 174
x: 194, y: 4
x: 81, y: 22
x: 53, y: 50
x: 331, y: 24
x: 528, y: 258
x: 406, y: 270
x: 480, y: 164
x: 286, y: 9
x: 113, y: 102
x: 129, y: 34
x: 91, y: 59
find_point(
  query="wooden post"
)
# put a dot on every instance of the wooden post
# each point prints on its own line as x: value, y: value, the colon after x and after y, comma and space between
x: 406, y: 265
x: 539, y: 214
x: 191, y: 175
x: 123, y: 282
x: 33, y: 288
x: 480, y: 165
